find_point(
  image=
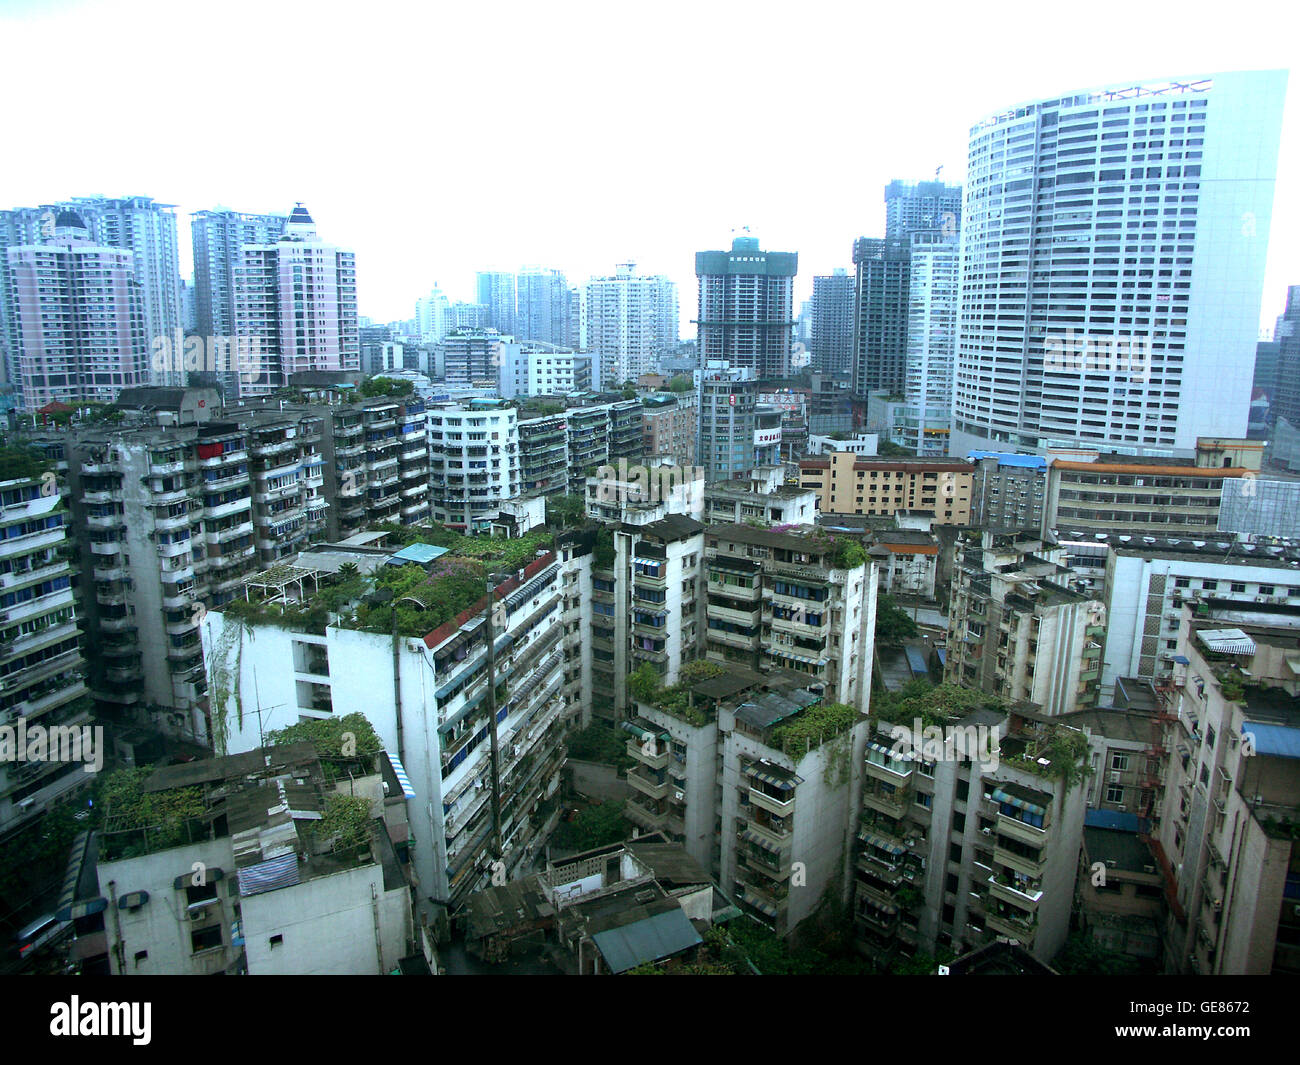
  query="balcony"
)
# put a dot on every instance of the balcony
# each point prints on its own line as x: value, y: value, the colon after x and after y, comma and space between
x: 772, y: 804
x: 1021, y: 930
x: 1026, y: 896
x: 650, y: 761
x: 776, y: 837
x: 647, y: 785
x: 647, y: 819
x: 1017, y: 829
x: 892, y: 803
x: 1030, y: 867
x: 735, y: 617
x: 890, y: 770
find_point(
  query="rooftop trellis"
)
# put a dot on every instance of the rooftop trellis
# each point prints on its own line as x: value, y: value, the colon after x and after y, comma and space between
x: 275, y: 583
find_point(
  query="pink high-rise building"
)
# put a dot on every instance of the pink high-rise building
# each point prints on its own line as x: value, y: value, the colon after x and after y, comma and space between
x: 79, y: 316
x: 295, y: 308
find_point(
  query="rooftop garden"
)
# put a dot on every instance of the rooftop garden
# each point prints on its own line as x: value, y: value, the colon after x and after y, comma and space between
x: 137, y: 822
x: 25, y: 462
x: 421, y: 598
x: 933, y: 705
x: 812, y: 726
x: 1064, y: 749
x: 343, y: 743
x: 646, y: 686
x: 841, y: 552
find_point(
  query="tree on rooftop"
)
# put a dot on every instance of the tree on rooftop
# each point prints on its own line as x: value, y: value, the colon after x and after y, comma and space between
x: 643, y: 684
x: 680, y: 383
x: 565, y: 511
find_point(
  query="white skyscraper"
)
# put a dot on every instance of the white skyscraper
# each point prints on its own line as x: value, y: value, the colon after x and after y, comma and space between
x: 1114, y: 244
x: 932, y: 303
x: 433, y: 319
x: 630, y: 321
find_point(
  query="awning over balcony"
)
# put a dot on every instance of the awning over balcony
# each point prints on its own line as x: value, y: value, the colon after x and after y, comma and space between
x: 644, y: 734
x: 807, y: 660
x: 761, y: 906
x: 888, y: 752
x: 1227, y: 641
x: 408, y: 792
x: 504, y: 643
x: 1005, y: 796
x: 772, y: 775
x: 888, y: 846
x: 750, y: 836
x: 879, y: 907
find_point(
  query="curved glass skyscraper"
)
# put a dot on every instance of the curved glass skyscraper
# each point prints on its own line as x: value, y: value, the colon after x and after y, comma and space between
x: 1113, y: 250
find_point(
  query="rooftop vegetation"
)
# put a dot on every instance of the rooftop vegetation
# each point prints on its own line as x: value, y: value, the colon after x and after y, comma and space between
x: 1066, y: 751
x: 933, y: 705
x: 343, y: 743
x: 421, y: 598
x: 137, y: 822
x: 17, y: 461
x: 645, y: 685
x: 812, y: 726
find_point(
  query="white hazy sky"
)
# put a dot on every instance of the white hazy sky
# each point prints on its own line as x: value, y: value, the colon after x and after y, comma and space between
x: 437, y: 139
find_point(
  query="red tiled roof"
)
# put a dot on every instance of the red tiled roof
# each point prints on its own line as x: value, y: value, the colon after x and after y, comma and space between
x: 447, y: 629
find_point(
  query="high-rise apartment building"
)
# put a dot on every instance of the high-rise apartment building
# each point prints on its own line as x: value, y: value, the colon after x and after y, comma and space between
x: 746, y: 307
x: 972, y: 839
x: 541, y: 306
x: 1114, y: 245
x: 42, y: 673
x: 1284, y: 390
x: 880, y: 328
x: 1018, y: 629
x: 432, y: 314
x: 883, y: 301
x: 219, y: 237
x: 914, y: 206
x: 78, y: 317
x: 831, y: 342
x: 737, y: 433
x: 474, y: 465
x: 295, y: 307
x: 758, y: 776
x: 496, y: 291
x: 630, y: 321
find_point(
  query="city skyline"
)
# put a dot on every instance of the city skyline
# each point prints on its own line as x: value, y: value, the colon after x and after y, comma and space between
x: 548, y: 206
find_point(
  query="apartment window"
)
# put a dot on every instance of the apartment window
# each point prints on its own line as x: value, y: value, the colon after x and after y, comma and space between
x: 1119, y: 762
x: 205, y: 938
x: 1115, y: 793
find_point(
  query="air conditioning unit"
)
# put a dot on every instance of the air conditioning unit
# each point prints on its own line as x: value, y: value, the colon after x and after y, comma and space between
x: 1122, y: 808
x: 1116, y: 776
x: 679, y: 795
x: 987, y: 831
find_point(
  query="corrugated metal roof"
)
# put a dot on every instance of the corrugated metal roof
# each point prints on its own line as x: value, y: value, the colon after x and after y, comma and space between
x: 1277, y: 740
x: 660, y: 936
x: 1227, y: 641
